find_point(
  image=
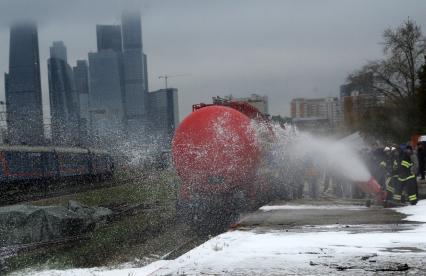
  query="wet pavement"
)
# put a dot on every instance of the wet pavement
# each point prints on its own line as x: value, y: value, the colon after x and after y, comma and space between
x: 315, y: 238
x: 320, y: 212
x: 328, y: 236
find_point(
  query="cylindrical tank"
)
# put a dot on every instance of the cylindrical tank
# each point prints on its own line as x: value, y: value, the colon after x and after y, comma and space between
x: 215, y: 150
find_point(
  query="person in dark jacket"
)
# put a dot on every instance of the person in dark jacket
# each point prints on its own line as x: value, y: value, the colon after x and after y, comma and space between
x: 406, y: 177
x: 392, y: 165
x: 421, y: 157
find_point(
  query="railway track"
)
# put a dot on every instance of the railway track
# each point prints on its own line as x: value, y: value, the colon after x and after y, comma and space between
x: 16, y: 194
x: 119, y: 211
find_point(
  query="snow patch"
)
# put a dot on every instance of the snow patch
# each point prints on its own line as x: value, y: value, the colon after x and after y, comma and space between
x: 310, y: 207
x: 414, y: 212
x: 99, y: 271
x: 279, y: 252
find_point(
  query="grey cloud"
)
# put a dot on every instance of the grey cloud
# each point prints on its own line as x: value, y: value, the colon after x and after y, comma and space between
x: 281, y: 48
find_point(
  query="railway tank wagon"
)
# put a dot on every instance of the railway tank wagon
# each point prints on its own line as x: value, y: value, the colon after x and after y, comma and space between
x: 217, y: 154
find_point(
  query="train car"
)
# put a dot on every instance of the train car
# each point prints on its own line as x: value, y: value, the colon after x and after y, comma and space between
x: 27, y: 163
x: 73, y: 162
x: 22, y: 166
x: 102, y: 165
x: 218, y: 152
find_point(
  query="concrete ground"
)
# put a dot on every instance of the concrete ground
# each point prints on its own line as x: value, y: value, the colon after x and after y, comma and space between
x: 422, y: 188
x: 315, y: 238
x: 320, y: 212
x: 323, y: 237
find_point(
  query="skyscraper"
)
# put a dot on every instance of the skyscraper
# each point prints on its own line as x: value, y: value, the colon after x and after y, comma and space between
x: 58, y: 50
x: 135, y: 75
x: 163, y: 114
x: 106, y: 97
x: 118, y: 82
x: 64, y: 101
x: 106, y: 109
x: 108, y: 37
x: 145, y: 71
x: 23, y: 87
x: 81, y: 78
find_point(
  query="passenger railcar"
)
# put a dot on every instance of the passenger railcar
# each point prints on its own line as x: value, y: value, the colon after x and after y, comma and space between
x: 26, y: 164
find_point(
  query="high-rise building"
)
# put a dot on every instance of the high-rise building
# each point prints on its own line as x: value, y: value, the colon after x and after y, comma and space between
x: 145, y: 71
x: 334, y: 112
x: 23, y: 87
x: 106, y: 110
x: 119, y: 82
x: 132, y: 30
x: 81, y: 78
x: 58, y: 50
x: 319, y: 114
x: 356, y: 105
x: 106, y: 98
x: 64, y: 100
x: 304, y: 108
x: 358, y: 98
x: 135, y: 75
x: 164, y: 114
x: 259, y: 102
x: 108, y: 37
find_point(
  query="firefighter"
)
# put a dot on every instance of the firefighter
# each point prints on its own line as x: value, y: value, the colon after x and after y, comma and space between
x: 382, y: 168
x: 392, y: 185
x: 406, y: 176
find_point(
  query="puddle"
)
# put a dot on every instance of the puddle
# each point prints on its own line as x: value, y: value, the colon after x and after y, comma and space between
x: 403, y: 250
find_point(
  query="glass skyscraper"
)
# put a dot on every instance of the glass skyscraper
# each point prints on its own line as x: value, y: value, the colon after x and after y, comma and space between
x: 135, y: 75
x: 23, y: 87
x: 106, y: 97
x: 106, y: 109
x: 81, y: 78
x: 58, y: 50
x: 164, y: 115
x: 64, y: 100
x: 108, y: 37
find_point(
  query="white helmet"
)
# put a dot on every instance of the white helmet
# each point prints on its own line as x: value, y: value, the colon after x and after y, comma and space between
x: 387, y: 149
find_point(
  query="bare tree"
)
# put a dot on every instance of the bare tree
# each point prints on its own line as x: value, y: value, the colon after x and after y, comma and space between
x: 395, y: 76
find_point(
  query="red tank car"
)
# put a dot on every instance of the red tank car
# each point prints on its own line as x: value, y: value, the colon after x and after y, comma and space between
x: 215, y: 150
x: 217, y: 154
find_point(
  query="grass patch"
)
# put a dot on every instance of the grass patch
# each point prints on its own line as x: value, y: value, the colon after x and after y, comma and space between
x: 114, y: 242
x: 151, y: 188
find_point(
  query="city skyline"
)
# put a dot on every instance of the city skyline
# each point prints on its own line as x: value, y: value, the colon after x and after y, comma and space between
x: 23, y: 86
x: 118, y: 87
x: 253, y: 48
x: 112, y: 89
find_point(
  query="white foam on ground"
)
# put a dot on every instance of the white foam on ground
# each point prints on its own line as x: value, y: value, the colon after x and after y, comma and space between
x: 97, y: 271
x: 280, y: 252
x: 414, y: 212
x: 310, y: 207
x: 286, y: 252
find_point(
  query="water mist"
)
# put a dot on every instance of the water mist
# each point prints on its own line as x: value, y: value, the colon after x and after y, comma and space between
x: 339, y: 157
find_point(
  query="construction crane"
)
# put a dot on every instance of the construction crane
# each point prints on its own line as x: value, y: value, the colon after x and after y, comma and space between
x: 166, y: 77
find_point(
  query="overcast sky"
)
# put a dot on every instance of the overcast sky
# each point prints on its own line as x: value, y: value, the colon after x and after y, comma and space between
x: 282, y: 49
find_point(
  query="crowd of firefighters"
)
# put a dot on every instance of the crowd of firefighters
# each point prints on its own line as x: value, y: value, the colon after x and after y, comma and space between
x: 396, y: 169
